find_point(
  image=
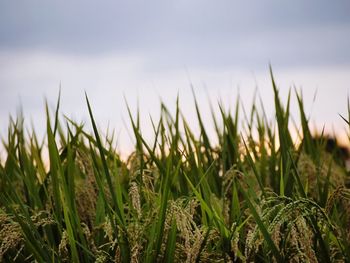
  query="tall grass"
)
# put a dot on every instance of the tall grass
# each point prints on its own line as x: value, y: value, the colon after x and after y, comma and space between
x: 180, y: 198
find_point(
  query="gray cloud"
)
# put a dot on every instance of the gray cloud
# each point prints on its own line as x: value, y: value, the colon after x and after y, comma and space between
x: 177, y: 33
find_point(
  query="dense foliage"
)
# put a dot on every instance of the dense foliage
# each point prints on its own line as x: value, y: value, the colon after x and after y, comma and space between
x: 256, y: 196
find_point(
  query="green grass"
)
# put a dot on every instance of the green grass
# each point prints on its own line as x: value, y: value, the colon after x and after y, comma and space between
x: 255, y: 196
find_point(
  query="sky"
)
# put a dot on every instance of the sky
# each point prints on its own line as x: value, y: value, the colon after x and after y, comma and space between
x: 147, y: 51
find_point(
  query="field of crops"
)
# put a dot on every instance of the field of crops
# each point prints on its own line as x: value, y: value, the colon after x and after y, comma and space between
x: 259, y: 195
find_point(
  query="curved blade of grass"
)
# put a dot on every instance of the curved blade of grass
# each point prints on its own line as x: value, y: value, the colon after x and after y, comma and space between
x: 120, y: 219
x: 171, y: 243
x: 261, y: 225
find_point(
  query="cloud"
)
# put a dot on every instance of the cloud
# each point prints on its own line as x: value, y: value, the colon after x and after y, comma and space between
x: 178, y: 33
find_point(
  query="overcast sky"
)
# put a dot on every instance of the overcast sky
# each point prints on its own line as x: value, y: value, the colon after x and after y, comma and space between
x: 152, y: 49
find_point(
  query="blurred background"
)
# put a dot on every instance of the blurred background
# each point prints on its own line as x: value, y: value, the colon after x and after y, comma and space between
x: 145, y: 52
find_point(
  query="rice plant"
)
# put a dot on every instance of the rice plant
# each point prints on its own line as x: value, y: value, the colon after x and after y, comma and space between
x: 256, y: 196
